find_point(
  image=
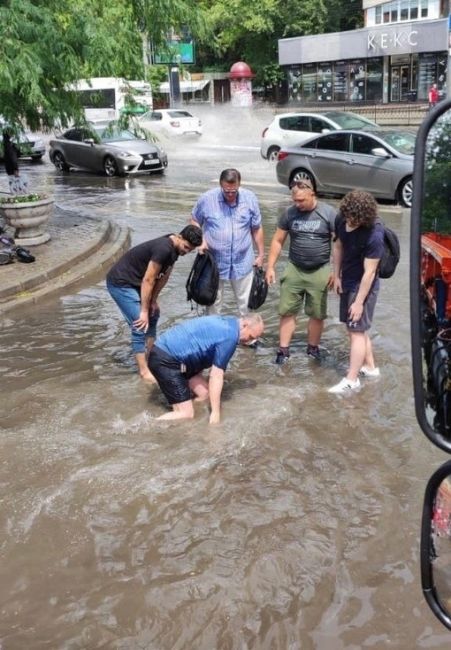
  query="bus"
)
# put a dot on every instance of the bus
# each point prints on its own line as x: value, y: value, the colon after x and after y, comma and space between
x: 107, y: 98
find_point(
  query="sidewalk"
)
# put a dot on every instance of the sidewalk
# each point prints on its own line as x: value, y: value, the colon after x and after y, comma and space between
x: 80, y: 247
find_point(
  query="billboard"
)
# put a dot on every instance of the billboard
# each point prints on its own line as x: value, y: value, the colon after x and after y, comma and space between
x: 179, y: 49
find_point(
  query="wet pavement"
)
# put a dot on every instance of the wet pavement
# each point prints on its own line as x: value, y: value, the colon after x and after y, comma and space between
x: 80, y: 247
x: 294, y: 525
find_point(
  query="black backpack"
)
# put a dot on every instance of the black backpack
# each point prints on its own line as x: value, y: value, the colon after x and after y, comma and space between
x: 203, y: 281
x: 390, y: 256
x: 259, y: 289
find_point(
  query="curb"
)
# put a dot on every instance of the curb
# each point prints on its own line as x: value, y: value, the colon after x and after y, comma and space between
x: 112, y: 242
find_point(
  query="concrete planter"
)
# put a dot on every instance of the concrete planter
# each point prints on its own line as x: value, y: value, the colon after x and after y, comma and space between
x: 29, y: 220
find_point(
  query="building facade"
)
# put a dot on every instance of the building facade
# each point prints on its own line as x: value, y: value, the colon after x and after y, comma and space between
x: 396, y: 57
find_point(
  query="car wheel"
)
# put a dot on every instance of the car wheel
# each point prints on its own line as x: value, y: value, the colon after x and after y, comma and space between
x: 405, y: 192
x: 60, y: 162
x: 110, y: 166
x: 300, y: 175
x: 272, y: 154
x: 36, y: 158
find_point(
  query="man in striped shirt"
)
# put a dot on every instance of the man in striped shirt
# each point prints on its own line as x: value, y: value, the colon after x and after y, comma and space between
x: 231, y: 223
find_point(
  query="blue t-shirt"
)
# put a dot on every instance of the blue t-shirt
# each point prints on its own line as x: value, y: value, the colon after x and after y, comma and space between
x: 357, y: 245
x: 202, y: 342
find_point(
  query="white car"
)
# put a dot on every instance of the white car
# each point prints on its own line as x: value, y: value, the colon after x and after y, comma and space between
x: 290, y: 129
x: 170, y: 121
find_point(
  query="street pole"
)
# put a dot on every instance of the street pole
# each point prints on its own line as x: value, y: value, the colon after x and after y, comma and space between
x: 174, y: 86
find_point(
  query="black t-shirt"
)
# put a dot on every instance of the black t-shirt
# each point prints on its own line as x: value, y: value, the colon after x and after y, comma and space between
x: 357, y: 245
x: 131, y: 268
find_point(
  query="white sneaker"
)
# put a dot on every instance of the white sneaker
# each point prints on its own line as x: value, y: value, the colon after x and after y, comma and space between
x: 345, y: 386
x: 369, y: 372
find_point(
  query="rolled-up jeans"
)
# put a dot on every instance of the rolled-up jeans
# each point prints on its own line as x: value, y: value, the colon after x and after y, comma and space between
x: 128, y: 299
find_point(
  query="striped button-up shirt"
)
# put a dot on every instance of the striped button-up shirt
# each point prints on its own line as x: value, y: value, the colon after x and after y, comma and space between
x: 228, y: 230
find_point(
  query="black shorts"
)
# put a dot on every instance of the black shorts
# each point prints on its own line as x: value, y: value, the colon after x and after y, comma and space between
x: 364, y: 323
x: 171, y: 375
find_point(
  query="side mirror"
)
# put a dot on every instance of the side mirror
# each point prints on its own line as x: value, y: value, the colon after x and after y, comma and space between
x: 436, y: 544
x: 90, y: 141
x: 325, y: 130
x: 380, y: 152
x: 430, y: 277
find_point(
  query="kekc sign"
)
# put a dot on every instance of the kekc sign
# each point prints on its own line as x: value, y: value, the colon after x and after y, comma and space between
x: 392, y: 39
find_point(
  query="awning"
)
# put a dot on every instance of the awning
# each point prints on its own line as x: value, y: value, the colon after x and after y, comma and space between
x: 186, y: 86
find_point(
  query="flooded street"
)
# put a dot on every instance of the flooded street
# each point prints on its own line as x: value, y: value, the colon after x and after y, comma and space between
x: 293, y: 525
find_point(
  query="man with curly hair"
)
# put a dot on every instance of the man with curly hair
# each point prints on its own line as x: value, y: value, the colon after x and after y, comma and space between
x: 358, y: 248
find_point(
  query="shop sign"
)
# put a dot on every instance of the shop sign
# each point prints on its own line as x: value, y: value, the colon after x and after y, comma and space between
x: 392, y: 39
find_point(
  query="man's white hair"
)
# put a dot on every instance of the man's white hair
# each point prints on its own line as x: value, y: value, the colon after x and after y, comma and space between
x: 253, y: 320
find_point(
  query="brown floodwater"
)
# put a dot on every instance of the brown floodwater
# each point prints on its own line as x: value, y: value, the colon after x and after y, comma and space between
x: 293, y: 525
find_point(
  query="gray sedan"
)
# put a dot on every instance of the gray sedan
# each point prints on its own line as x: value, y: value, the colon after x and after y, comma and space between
x: 380, y: 162
x: 102, y: 148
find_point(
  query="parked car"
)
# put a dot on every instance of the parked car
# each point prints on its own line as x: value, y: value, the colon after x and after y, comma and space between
x: 380, y: 162
x: 170, y: 121
x: 102, y: 148
x: 28, y: 144
x: 289, y: 129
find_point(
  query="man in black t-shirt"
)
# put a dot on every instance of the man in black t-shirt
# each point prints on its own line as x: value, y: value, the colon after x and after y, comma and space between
x: 308, y: 275
x: 135, y: 282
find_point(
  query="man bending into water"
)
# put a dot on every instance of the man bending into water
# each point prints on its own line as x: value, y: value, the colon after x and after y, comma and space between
x: 181, y: 354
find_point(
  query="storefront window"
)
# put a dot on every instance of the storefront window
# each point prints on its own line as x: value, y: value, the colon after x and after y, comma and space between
x: 394, y: 12
x: 414, y: 82
x: 309, y: 82
x: 374, y: 79
x: 295, y: 84
x: 325, y: 82
x: 357, y: 80
x: 386, y: 15
x: 441, y: 74
x: 424, y: 8
x: 413, y: 9
x: 427, y: 74
x: 378, y: 15
x: 340, y: 81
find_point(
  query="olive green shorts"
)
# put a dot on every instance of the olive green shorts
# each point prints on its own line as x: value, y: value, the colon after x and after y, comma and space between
x: 308, y: 287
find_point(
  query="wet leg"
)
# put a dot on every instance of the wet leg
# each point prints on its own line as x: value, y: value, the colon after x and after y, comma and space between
x: 181, y: 411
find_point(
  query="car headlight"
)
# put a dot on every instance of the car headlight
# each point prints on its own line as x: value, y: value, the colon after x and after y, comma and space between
x: 39, y: 143
x: 126, y: 154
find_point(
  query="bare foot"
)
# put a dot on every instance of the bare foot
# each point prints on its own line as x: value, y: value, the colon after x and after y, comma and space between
x: 147, y: 376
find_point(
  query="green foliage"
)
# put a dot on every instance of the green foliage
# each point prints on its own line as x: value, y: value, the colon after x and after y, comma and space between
x: 436, y: 215
x: 39, y: 52
x: 46, y: 44
x: 249, y: 29
x: 24, y: 198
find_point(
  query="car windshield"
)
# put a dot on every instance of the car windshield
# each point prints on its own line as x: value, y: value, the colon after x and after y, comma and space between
x: 402, y: 141
x: 350, y: 120
x: 114, y: 135
x: 179, y: 114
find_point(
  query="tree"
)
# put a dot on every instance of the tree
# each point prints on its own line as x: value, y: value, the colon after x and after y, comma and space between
x: 46, y: 44
x: 250, y: 29
x: 437, y: 188
x: 41, y: 49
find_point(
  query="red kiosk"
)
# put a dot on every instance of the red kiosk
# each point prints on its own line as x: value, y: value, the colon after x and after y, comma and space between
x: 241, y: 84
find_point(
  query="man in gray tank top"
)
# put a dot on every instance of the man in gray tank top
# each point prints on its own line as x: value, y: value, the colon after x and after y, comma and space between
x: 308, y: 275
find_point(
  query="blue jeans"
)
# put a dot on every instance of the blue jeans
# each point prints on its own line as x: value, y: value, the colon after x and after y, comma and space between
x: 128, y: 300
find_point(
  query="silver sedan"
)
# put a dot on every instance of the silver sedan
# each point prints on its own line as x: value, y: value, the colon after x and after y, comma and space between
x: 111, y: 150
x: 380, y: 162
